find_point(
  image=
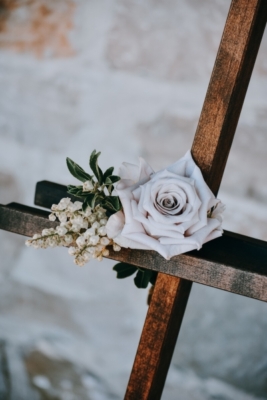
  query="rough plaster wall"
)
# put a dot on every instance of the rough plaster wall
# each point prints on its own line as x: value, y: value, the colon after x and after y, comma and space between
x: 128, y: 78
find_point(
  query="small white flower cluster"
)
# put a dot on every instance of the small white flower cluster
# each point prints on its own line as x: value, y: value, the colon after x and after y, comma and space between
x: 85, y: 231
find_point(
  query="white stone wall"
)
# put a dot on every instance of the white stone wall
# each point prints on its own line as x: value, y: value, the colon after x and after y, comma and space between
x: 127, y: 78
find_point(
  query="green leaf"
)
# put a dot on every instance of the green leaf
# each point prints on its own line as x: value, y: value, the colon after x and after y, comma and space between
x: 99, y: 197
x: 112, y: 179
x: 124, y: 270
x: 74, y: 189
x: 93, y: 162
x: 90, y: 199
x: 85, y: 205
x: 108, y: 172
x: 142, y: 278
x: 77, y: 171
x: 153, y: 277
x: 80, y: 193
x: 112, y: 203
x: 110, y: 189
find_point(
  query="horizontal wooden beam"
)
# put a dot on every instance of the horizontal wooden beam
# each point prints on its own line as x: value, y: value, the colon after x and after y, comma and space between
x: 48, y: 193
x: 234, y: 263
x: 24, y: 220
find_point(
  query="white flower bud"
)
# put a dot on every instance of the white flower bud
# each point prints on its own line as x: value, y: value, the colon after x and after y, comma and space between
x: 68, y: 239
x: 103, y: 221
x: 54, y: 207
x: 86, y: 256
x: 85, y: 224
x: 101, y: 213
x: 52, y: 217
x: 89, y: 232
x: 61, y: 230
x: 81, y: 241
x: 75, y: 228
x: 104, y: 241
x: 78, y: 219
x: 45, y: 232
x: 72, y: 251
x: 96, y: 225
x: 99, y: 248
x: 105, y: 253
x: 63, y: 204
x: 28, y: 243
x: 102, y: 231
x: 99, y: 258
x: 78, y: 205
x: 94, y: 240
x: 116, y: 247
x: 36, y: 236
x: 71, y: 207
x: 88, y: 211
x: 65, y: 201
x: 79, y: 261
x: 92, y: 218
x: 91, y: 250
x: 62, y: 217
x: 87, y: 186
x: 51, y: 242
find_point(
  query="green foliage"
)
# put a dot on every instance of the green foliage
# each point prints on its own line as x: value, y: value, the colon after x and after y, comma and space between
x: 77, y: 171
x: 111, y: 179
x: 142, y: 278
x: 112, y: 203
x: 77, y: 191
x: 124, y: 270
x: 93, y: 162
x: 103, y: 182
x: 108, y: 173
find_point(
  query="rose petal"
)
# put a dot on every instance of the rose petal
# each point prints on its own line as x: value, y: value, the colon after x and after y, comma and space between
x: 115, y: 224
x: 156, y: 231
x: 129, y: 171
x: 167, y: 211
x: 145, y: 171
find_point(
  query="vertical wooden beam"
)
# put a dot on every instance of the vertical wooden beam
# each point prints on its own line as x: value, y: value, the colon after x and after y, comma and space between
x: 223, y: 103
x: 227, y: 88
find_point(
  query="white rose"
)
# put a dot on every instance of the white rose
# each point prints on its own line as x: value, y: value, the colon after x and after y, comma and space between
x: 169, y: 211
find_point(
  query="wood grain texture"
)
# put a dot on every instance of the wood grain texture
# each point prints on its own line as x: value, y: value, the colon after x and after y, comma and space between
x: 234, y: 262
x: 24, y: 220
x: 233, y: 67
x: 48, y: 193
x: 154, y: 351
x: 227, y: 89
x: 201, y: 267
x: 223, y: 103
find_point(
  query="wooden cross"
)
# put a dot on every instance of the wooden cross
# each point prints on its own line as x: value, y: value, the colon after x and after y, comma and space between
x: 234, y: 262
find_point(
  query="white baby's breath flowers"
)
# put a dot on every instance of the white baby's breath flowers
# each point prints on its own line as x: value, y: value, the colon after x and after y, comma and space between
x: 88, y: 186
x: 84, y: 232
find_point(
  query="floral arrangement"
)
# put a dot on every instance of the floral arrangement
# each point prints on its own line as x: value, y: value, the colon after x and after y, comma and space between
x: 172, y: 211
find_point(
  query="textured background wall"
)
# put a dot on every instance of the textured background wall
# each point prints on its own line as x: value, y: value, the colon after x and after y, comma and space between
x: 127, y: 78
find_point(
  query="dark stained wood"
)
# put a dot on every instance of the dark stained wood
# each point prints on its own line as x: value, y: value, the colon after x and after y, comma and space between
x: 48, y: 193
x: 24, y: 220
x: 227, y: 89
x: 226, y: 92
x: 234, y: 262
x: 167, y: 295
x: 218, y: 264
